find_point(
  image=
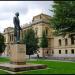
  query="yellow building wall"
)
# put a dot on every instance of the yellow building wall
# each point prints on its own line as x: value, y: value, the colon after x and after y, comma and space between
x: 53, y: 44
x: 63, y: 47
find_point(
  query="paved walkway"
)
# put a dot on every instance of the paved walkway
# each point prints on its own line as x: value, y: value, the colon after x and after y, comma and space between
x: 53, y: 60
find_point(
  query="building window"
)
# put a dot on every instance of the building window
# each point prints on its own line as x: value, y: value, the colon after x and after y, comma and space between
x: 40, y: 16
x: 72, y: 40
x: 66, y: 42
x: 66, y: 51
x: 46, y: 31
x: 10, y: 37
x: 52, y: 52
x: 59, y: 42
x: 72, y: 51
x: 47, y: 52
x: 59, y: 51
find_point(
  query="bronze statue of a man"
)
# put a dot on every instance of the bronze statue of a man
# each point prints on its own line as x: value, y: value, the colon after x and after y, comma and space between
x: 17, y: 28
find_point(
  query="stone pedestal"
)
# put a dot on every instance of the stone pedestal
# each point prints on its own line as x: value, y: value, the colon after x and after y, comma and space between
x: 18, y: 60
x: 18, y: 68
x: 17, y: 54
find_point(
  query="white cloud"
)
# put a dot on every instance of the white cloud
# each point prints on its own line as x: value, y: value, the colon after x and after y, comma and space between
x: 28, y: 17
x: 27, y: 10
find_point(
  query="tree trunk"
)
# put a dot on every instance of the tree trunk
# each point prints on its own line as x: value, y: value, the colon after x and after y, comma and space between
x: 43, y: 52
x: 29, y: 56
x: 0, y: 54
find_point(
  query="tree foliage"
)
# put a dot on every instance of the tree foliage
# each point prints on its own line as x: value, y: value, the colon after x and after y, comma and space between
x: 44, y: 40
x: 63, y: 20
x: 2, y: 44
x: 31, y: 42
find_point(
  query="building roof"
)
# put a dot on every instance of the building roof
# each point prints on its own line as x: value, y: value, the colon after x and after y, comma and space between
x: 42, y: 14
x: 27, y: 25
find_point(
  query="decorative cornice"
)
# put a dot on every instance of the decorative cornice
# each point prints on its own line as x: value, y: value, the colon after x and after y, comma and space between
x: 33, y: 23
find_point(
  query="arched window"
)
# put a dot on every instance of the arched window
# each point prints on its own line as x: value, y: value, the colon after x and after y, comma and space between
x: 10, y: 37
x: 47, y: 52
x: 72, y: 40
x: 52, y: 51
x: 59, y: 42
x: 72, y: 51
x: 66, y: 42
x: 59, y: 51
x: 66, y: 51
x: 46, y: 32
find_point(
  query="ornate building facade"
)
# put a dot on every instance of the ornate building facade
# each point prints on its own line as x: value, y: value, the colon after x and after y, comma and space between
x: 57, y: 45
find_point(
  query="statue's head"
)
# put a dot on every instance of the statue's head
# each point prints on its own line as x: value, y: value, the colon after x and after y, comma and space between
x: 17, y: 13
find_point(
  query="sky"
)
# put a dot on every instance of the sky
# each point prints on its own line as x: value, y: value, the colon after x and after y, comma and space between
x: 26, y: 9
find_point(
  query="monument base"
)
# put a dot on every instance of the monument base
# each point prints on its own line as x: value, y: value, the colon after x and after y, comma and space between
x: 17, y: 68
x: 18, y: 60
x: 18, y: 53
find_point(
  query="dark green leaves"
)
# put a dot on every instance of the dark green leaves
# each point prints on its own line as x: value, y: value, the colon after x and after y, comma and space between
x: 31, y: 42
x: 63, y: 20
x: 44, y: 40
x: 2, y: 44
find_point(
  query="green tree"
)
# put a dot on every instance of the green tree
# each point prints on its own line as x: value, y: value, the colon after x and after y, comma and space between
x: 63, y: 20
x: 31, y: 42
x: 2, y: 44
x: 44, y: 40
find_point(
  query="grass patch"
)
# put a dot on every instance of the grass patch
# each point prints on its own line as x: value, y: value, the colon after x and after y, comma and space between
x: 4, y: 59
x: 3, y: 72
x: 54, y: 67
